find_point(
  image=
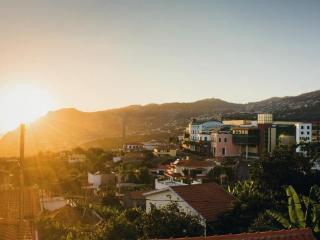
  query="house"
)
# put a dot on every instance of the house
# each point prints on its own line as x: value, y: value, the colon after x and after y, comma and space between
x: 205, y: 200
x: 189, y: 167
x: 165, y: 151
x: 99, y: 179
x: 160, y: 184
x: 151, y: 145
x: 77, y: 158
x: 222, y: 145
x: 292, y: 234
x: 132, y: 147
x: 199, y: 135
x: 53, y: 203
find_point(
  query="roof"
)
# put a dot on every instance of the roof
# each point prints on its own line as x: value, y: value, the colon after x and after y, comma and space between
x: 10, y: 202
x: 208, y: 199
x: 10, y: 226
x: 292, y: 234
x: 137, y: 195
x: 11, y: 229
x: 194, y: 163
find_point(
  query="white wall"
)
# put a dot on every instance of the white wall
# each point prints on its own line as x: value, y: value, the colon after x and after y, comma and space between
x: 54, y: 203
x: 303, y: 133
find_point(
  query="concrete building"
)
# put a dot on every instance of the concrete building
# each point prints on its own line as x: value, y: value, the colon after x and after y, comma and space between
x: 303, y: 133
x: 222, y: 145
x: 165, y: 151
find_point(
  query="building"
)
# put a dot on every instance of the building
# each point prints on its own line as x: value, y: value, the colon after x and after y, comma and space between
x: 222, y: 145
x: 53, y: 203
x: 133, y: 147
x: 292, y: 234
x: 99, y: 179
x: 151, y: 145
x: 247, y: 137
x: 160, y: 184
x: 204, y: 200
x: 189, y: 168
x: 165, y: 151
x: 199, y: 135
x: 303, y: 133
x: 265, y: 118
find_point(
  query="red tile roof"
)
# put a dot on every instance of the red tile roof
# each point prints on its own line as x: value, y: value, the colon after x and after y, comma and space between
x: 194, y: 163
x: 10, y: 226
x: 292, y: 234
x: 10, y: 202
x: 208, y: 199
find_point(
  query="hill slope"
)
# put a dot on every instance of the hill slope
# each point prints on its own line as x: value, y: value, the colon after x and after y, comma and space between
x: 69, y: 128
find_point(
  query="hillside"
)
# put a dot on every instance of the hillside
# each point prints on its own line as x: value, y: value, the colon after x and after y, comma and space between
x: 69, y: 128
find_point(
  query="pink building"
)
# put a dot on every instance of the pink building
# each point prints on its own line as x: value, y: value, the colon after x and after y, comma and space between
x: 222, y: 145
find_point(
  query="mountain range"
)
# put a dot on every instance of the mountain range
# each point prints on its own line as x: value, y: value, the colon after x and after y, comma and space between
x: 69, y: 128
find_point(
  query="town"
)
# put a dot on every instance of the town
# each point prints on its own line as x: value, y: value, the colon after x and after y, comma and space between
x: 199, y: 180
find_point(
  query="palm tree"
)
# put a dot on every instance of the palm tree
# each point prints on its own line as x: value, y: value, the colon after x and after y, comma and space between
x: 303, y: 212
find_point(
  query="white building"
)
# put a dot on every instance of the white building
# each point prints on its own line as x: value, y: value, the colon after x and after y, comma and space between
x: 167, y: 183
x: 97, y: 179
x: 53, y: 203
x: 191, y: 199
x: 303, y: 133
x: 200, y: 130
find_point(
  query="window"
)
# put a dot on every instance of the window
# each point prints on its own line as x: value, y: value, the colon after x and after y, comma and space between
x: 308, y: 133
x: 219, y: 139
x: 302, y: 133
x: 223, y: 151
x: 225, y: 140
x: 205, y: 138
x: 302, y: 127
x: 308, y: 127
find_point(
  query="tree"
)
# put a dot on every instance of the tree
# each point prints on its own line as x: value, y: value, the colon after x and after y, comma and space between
x: 282, y: 168
x: 170, y: 222
x: 249, y: 204
x: 302, y: 213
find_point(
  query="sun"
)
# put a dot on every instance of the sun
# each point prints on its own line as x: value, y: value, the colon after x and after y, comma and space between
x: 22, y: 104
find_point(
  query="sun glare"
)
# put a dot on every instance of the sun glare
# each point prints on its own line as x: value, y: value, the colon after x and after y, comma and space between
x: 22, y: 104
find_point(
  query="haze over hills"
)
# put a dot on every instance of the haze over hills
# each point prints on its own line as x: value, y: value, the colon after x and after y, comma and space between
x: 68, y: 128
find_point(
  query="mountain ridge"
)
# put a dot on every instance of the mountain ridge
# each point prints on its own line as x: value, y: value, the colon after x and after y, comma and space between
x: 69, y: 127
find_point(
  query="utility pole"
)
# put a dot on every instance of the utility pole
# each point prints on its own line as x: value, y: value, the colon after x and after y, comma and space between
x: 21, y: 163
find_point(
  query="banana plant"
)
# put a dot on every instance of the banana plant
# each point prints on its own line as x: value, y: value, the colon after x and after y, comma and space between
x: 303, y: 213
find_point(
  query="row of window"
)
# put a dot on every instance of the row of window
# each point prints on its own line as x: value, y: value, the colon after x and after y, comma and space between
x: 302, y: 127
x: 303, y: 133
x: 219, y: 140
x: 305, y: 138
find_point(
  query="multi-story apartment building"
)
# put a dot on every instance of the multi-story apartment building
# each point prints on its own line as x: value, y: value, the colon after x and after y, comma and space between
x: 199, y: 135
x: 222, y: 145
x: 303, y: 133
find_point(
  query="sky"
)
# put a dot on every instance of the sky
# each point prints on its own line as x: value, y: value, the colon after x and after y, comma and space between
x: 100, y: 54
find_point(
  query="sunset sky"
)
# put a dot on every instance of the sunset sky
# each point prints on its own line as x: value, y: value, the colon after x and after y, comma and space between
x: 95, y: 55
